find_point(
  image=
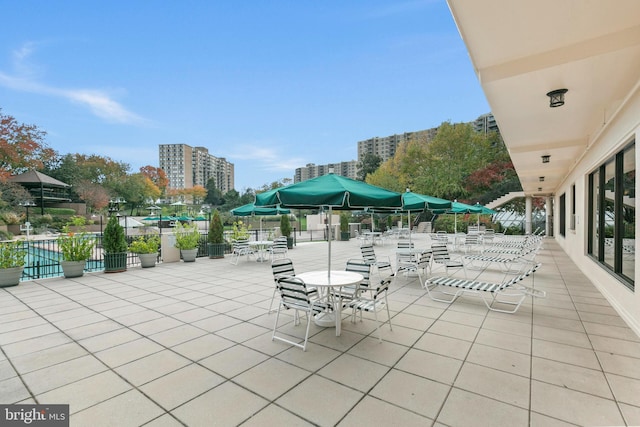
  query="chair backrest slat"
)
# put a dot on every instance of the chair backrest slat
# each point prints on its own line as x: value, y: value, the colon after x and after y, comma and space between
x: 282, y: 267
x: 293, y: 291
x: 362, y: 267
x: 425, y: 258
x: 368, y: 254
x: 440, y: 253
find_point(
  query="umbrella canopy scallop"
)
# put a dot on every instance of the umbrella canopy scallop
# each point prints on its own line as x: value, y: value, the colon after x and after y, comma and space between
x: 333, y: 191
x: 251, y: 209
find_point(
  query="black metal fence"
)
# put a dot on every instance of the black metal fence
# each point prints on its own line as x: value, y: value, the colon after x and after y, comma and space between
x: 43, y: 255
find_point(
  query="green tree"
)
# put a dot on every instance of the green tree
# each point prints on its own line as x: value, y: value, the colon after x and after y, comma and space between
x: 22, y: 147
x: 456, y: 151
x: 214, y: 195
x: 231, y: 200
x: 136, y: 189
x: 439, y: 167
x: 369, y: 164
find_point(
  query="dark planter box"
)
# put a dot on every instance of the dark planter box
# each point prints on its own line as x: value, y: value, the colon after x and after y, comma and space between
x: 345, y: 235
x: 216, y: 250
x: 115, y: 262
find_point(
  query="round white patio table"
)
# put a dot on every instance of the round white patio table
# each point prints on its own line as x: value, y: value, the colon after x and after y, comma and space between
x: 261, y: 246
x: 324, y: 281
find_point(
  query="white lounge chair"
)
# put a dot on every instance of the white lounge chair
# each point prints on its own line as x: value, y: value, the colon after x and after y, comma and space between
x: 508, y: 292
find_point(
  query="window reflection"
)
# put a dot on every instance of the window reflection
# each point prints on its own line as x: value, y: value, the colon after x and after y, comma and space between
x: 629, y: 214
x: 609, y: 213
x: 612, y: 212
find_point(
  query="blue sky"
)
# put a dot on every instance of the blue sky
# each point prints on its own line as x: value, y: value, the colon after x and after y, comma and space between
x: 269, y: 85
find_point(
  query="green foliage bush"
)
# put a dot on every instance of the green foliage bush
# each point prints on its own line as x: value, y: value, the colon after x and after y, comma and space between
x: 344, y: 222
x: 216, y: 229
x: 75, y: 246
x: 12, y: 254
x: 187, y: 236
x: 148, y: 244
x: 285, y: 226
x: 113, y: 240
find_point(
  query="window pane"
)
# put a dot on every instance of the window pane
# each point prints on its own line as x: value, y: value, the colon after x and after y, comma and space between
x: 609, y: 214
x: 629, y: 214
x: 596, y: 214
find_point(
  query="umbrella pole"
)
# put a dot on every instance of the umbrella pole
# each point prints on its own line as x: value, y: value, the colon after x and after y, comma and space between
x: 409, y: 226
x: 329, y: 237
x: 455, y: 222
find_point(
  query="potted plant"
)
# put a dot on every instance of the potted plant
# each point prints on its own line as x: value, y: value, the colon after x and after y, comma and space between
x: 240, y: 231
x: 12, y: 260
x: 147, y: 249
x: 216, y: 244
x: 187, y: 240
x: 285, y: 230
x: 76, y: 248
x: 115, y: 247
x: 344, y: 226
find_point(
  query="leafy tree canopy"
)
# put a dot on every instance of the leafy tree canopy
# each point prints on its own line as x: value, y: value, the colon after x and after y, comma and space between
x: 22, y: 147
x: 369, y: 164
x: 440, y: 167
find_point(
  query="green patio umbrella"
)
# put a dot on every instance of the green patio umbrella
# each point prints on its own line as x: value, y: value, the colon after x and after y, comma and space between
x: 458, y: 207
x: 333, y: 192
x: 418, y: 202
x: 251, y: 209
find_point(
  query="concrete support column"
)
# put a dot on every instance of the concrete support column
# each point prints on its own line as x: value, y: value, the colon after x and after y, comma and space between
x: 528, y: 214
x: 548, y: 229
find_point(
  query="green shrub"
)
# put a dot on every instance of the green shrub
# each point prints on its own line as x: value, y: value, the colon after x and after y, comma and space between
x: 75, y: 246
x: 148, y: 244
x: 187, y: 236
x: 344, y: 222
x: 216, y: 229
x: 113, y: 240
x: 12, y: 254
x: 285, y: 226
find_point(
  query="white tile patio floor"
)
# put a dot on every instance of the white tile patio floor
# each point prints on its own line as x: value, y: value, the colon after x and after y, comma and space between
x: 190, y: 344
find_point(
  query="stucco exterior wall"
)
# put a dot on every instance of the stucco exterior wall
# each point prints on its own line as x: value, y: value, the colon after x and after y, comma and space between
x: 610, y: 138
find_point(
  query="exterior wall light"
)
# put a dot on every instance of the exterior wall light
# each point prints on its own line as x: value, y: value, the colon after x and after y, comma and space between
x: 546, y: 158
x: 556, y: 97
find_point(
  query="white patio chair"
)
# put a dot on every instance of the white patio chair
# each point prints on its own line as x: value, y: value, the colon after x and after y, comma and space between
x: 279, y: 248
x: 369, y: 256
x: 376, y: 303
x: 440, y: 257
x: 418, y: 265
x: 295, y: 295
x: 473, y: 242
x: 354, y: 291
x: 240, y: 248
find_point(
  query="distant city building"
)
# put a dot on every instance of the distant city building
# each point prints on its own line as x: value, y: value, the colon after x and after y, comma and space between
x: 485, y: 123
x: 187, y: 166
x: 311, y: 170
x: 385, y: 147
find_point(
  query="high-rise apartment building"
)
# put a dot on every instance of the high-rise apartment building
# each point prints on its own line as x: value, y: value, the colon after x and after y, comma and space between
x: 187, y: 166
x: 385, y: 147
x: 485, y: 123
x: 311, y: 170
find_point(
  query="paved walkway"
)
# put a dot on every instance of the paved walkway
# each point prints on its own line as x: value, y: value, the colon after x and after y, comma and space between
x: 190, y: 344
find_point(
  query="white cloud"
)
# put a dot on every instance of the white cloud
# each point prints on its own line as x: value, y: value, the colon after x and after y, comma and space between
x: 99, y: 102
x: 267, y: 158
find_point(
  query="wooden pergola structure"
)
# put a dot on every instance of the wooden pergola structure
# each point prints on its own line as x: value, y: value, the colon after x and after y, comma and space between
x: 44, y: 189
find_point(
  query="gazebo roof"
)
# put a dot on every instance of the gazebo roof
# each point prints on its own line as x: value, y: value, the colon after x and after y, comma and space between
x: 35, y: 177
